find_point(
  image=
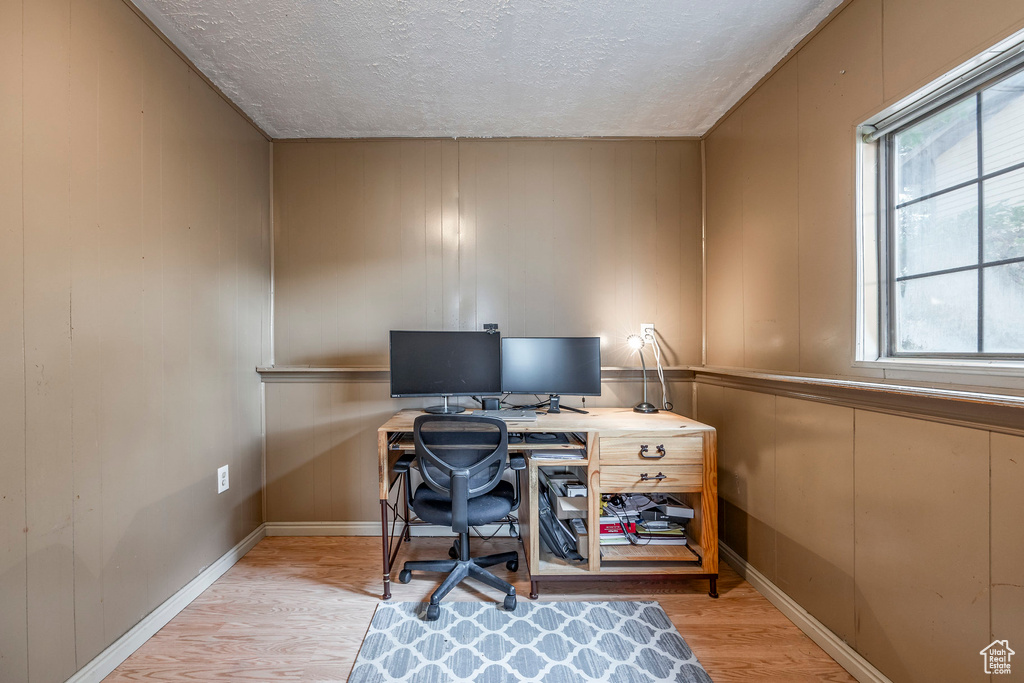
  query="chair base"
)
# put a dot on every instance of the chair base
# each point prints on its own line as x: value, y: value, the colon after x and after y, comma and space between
x: 458, y: 571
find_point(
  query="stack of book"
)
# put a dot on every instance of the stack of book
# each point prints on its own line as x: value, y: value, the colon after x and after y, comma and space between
x: 615, y: 527
x: 641, y: 521
x: 672, y: 534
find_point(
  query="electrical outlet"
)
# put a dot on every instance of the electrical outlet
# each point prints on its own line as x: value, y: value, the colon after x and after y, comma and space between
x: 647, y: 332
x: 222, y: 479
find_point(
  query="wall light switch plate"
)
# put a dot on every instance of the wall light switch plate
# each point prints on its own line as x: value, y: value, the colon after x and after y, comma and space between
x: 222, y: 479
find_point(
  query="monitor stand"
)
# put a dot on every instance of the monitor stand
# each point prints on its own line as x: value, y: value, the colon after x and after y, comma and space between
x: 444, y: 409
x: 554, y: 405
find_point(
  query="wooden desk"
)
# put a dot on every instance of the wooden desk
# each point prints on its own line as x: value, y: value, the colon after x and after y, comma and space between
x: 620, y: 447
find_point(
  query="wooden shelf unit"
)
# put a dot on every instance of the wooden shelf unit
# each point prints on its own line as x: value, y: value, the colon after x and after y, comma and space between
x: 683, y: 451
x: 619, y: 446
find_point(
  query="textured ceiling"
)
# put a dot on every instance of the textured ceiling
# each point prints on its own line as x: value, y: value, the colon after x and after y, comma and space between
x: 485, y: 68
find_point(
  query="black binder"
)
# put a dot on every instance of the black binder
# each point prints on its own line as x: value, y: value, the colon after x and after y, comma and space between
x: 554, y: 535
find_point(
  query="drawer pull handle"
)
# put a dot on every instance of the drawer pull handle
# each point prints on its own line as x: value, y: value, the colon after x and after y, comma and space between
x: 661, y: 449
x: 645, y: 456
x: 646, y: 477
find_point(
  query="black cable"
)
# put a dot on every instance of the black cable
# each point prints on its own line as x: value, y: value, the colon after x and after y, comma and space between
x: 510, y: 521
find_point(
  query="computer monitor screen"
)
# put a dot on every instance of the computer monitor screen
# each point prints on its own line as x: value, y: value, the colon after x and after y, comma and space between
x: 551, y: 365
x: 445, y: 363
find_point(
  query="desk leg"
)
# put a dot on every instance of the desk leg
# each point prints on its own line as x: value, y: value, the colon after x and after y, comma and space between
x: 385, y: 541
x: 405, y: 502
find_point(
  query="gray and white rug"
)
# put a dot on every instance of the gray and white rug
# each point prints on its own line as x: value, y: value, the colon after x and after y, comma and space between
x: 553, y: 642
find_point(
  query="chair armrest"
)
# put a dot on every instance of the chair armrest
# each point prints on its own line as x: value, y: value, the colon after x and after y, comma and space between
x: 403, y: 463
x: 517, y: 461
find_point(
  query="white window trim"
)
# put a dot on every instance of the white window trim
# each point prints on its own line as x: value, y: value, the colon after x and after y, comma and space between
x: 868, y: 347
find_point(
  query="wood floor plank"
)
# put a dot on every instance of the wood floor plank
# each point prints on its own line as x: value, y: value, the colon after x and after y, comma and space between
x: 297, y: 609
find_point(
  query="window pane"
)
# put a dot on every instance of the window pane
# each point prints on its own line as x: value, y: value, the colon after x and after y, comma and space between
x: 938, y: 314
x: 1004, y: 309
x: 1002, y: 125
x: 938, y: 233
x: 1004, y: 216
x: 937, y: 153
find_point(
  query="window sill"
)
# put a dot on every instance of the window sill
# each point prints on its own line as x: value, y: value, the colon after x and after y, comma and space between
x: 1004, y: 374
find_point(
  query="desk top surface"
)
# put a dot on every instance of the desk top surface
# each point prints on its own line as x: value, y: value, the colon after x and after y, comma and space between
x: 617, y: 420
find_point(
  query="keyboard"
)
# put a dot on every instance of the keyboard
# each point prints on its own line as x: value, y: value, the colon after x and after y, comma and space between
x: 508, y: 415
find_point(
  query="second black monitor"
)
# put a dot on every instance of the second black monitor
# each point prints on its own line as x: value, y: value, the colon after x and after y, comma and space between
x: 568, y: 366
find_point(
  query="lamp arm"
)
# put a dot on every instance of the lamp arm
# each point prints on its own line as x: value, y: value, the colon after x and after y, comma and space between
x: 643, y: 365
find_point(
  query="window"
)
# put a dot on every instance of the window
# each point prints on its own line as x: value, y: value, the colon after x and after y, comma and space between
x: 949, y: 246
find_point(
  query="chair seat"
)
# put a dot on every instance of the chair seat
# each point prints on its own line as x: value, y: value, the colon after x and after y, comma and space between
x: 435, y: 508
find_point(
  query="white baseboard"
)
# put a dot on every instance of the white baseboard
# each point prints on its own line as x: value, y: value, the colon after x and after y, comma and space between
x: 323, y: 528
x: 836, y: 647
x: 108, y: 660
x: 360, y: 529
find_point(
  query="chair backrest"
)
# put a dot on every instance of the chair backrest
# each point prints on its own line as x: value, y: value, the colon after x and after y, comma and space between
x: 460, y: 457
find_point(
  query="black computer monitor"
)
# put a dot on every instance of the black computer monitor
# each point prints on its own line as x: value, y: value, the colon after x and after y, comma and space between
x: 551, y: 365
x: 445, y: 364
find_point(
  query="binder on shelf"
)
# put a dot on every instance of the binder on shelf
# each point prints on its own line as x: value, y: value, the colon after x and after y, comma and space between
x: 554, y: 534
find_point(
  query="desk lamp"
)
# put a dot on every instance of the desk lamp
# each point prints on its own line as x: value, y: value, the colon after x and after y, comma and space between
x: 636, y: 343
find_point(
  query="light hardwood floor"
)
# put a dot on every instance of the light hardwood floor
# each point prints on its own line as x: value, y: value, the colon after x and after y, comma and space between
x: 296, y: 609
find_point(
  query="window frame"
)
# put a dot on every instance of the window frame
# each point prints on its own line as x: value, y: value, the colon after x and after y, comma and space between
x: 876, y: 286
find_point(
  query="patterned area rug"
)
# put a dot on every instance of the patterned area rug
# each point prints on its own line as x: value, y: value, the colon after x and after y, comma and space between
x: 553, y: 642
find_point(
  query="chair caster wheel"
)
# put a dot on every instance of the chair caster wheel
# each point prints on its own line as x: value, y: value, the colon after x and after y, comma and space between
x: 433, y: 612
x: 404, y: 576
x: 512, y: 565
x: 453, y: 553
x: 510, y: 602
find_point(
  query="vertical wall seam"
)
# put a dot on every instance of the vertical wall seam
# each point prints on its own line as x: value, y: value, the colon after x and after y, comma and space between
x: 458, y: 234
x: 703, y: 255
x: 426, y: 239
x: 856, y: 619
x: 799, y: 326
x: 991, y: 622
x: 775, y: 482
x: 508, y: 231
x: 881, y: 5
x: 743, y: 260
x: 71, y: 368
x: 657, y: 222
x: 24, y: 355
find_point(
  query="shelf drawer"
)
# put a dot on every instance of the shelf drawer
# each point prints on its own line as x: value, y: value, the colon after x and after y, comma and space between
x: 623, y: 478
x: 630, y: 450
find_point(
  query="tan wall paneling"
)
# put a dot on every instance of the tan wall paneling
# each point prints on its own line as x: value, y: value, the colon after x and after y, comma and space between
x: 552, y: 238
x: 122, y: 413
x: 724, y: 244
x: 771, y: 312
x: 925, y: 40
x: 360, y: 235
x: 488, y: 256
x: 48, y: 481
x: 814, y: 509
x: 13, y: 551
x: 708, y: 407
x: 922, y: 547
x: 840, y: 83
x: 876, y: 524
x: 870, y: 54
x: 146, y: 287
x: 746, y: 472
x: 541, y: 237
x: 321, y: 443
x: 88, y: 325
x: 679, y: 271
x: 1007, y: 538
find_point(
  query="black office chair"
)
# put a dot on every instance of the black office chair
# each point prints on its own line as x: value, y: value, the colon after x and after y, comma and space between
x: 463, y: 487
